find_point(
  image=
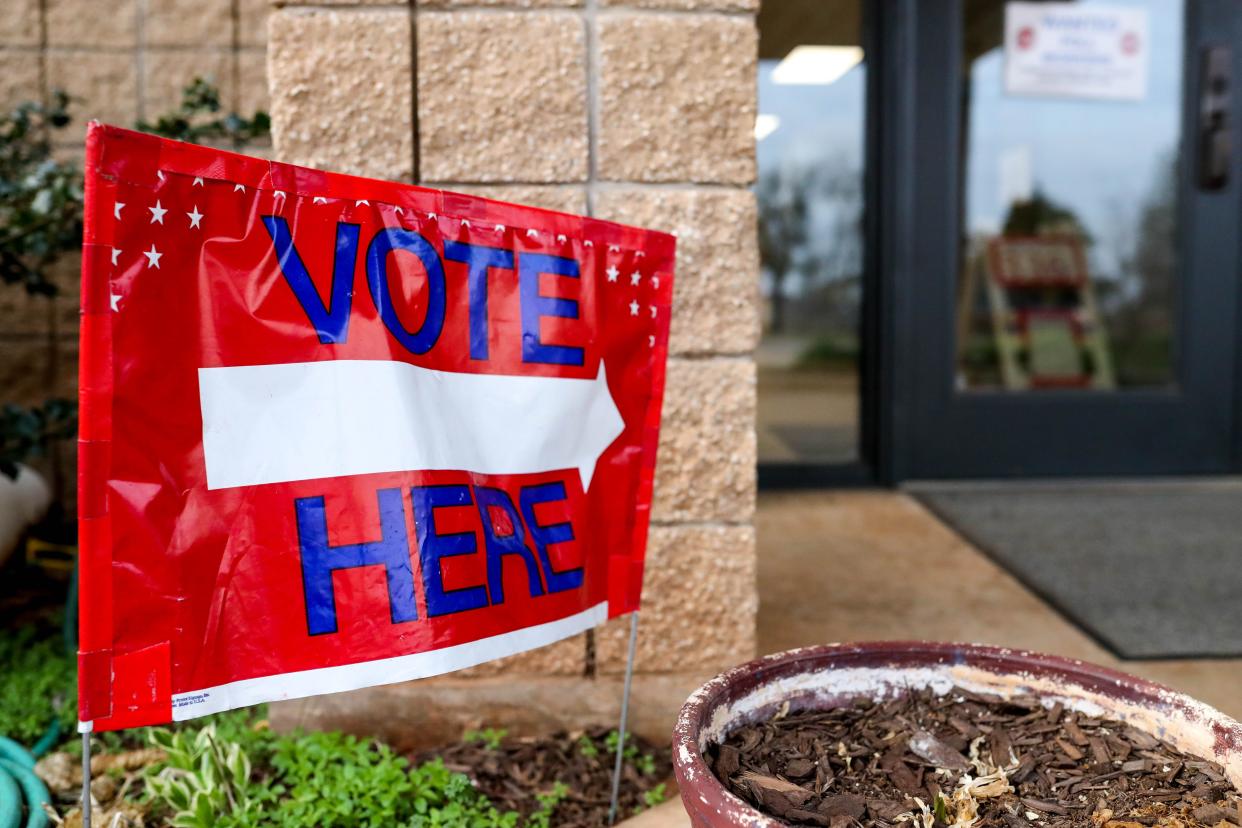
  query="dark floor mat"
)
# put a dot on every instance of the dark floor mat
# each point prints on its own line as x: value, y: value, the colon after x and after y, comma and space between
x: 1151, y: 570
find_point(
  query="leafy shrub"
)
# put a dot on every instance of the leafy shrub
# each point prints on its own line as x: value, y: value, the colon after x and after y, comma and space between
x: 40, y: 221
x: 28, y: 431
x: 40, y: 197
x: 198, y: 119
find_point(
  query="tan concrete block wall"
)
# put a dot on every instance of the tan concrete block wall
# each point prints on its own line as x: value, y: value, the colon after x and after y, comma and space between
x: 677, y: 97
x: 635, y: 110
x: 20, y: 25
x: 706, y: 467
x: 502, y: 96
x: 343, y: 97
x: 699, y: 603
x: 124, y: 60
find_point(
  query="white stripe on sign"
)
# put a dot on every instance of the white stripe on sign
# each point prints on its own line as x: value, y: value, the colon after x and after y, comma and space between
x: 308, y: 420
x: 195, y: 703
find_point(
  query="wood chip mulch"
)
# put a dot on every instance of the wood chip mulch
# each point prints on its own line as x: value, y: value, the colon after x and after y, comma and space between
x: 969, y: 761
x: 512, y: 773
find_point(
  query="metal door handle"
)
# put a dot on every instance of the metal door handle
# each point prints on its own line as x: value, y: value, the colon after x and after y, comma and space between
x: 1215, y: 130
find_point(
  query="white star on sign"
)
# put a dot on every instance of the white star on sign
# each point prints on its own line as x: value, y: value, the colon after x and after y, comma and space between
x: 635, y: 277
x: 116, y: 209
x: 588, y: 243
x: 241, y: 187
x: 633, y: 308
x: 399, y: 211
x: 157, y: 213
x: 153, y: 256
x: 160, y: 174
x: 319, y: 200
x: 499, y: 228
x: 655, y: 281
x: 198, y: 181
x: 195, y: 217
x: 533, y: 233
x: 560, y: 237
x: 612, y: 273
x: 612, y: 248
x: 465, y: 223
x: 431, y: 217
x: 113, y: 298
x: 362, y: 201
x: 116, y: 251
x: 651, y: 340
x: 278, y: 194
x: 653, y: 311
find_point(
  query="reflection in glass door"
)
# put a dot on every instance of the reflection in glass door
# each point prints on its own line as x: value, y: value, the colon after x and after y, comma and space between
x: 809, y: 135
x: 1071, y: 151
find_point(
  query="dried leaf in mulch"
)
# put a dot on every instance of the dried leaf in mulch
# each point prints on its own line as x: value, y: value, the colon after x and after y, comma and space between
x: 514, y: 772
x: 965, y: 760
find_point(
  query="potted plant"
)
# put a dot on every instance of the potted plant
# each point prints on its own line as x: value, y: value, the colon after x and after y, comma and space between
x: 755, y: 697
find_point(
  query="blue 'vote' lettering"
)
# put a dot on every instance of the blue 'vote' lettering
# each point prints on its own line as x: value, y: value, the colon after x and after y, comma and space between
x: 330, y: 320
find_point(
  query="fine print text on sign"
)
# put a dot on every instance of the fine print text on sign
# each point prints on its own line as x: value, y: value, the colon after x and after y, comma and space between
x: 1071, y: 50
x: 338, y: 432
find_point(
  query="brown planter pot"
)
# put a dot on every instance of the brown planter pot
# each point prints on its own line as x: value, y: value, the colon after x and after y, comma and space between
x: 836, y: 673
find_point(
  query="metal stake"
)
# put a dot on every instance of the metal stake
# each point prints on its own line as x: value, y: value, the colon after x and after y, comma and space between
x: 625, y: 711
x: 86, y: 777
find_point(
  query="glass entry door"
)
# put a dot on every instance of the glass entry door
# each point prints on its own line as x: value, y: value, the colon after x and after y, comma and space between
x: 1064, y: 298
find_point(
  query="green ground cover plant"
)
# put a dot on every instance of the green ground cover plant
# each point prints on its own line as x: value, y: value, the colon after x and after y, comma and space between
x: 330, y: 780
x: 38, y: 686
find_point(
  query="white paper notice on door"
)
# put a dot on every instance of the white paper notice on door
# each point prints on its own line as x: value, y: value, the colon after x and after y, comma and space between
x: 1071, y: 50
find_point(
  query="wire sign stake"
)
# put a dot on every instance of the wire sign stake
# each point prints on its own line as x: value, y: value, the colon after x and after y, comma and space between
x: 86, y: 779
x: 625, y: 710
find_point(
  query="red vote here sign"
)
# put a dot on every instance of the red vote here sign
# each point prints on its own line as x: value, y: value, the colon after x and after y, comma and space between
x: 338, y: 432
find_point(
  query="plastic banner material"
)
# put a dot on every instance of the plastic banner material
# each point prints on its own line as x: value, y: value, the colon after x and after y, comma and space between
x: 338, y: 432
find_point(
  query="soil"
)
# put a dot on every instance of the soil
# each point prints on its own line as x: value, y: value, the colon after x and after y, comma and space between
x: 515, y: 771
x: 969, y: 761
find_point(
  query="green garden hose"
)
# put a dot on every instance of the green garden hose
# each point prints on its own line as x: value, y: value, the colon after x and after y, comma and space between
x: 10, y: 802
x: 32, y: 788
x: 18, y: 780
x: 15, y: 753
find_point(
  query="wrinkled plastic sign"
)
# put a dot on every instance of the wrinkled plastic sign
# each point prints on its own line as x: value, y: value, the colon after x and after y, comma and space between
x: 338, y: 432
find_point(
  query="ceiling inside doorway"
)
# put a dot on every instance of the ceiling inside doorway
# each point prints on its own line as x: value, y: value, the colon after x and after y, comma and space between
x: 784, y: 24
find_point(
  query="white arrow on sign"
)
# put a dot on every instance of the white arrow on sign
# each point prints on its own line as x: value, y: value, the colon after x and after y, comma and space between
x: 308, y: 420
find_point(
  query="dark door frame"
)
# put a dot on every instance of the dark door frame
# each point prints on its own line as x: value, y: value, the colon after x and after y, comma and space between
x: 921, y: 427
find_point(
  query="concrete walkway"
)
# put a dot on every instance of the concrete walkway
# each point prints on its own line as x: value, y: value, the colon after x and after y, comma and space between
x: 867, y: 565
x: 853, y: 566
